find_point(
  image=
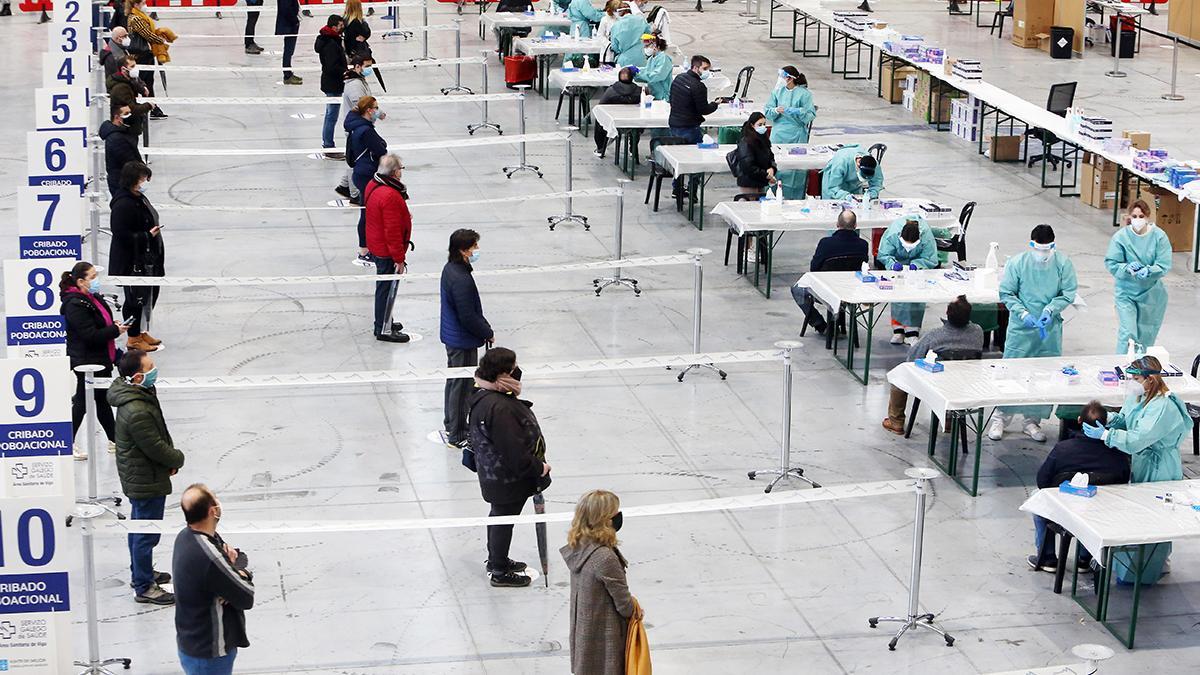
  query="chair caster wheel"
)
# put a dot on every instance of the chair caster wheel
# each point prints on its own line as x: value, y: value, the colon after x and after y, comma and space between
x: 680, y: 378
x: 722, y: 373
x: 751, y: 475
x: 892, y: 645
x: 597, y: 292
x: 637, y: 293
x: 873, y: 623
x: 949, y: 641
x: 768, y: 490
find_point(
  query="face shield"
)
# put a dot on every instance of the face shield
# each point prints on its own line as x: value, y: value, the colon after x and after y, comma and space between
x: 1042, y: 252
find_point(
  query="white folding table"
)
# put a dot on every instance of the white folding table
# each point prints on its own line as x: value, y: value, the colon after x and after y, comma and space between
x: 625, y: 123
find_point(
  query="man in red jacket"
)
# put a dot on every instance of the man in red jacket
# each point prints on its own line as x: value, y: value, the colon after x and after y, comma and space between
x: 389, y: 237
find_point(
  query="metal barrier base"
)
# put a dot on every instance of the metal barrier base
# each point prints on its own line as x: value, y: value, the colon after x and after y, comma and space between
x: 701, y: 366
x: 604, y: 282
x: 569, y: 217
x: 780, y: 474
x: 510, y: 170
x: 472, y: 128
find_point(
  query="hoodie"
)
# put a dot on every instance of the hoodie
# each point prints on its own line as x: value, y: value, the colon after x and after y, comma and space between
x: 120, y: 146
x: 333, y: 60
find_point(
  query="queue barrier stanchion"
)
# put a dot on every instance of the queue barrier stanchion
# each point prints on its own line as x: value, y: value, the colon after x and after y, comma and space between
x: 485, y: 124
x: 1174, y: 70
x: 93, y: 479
x: 569, y: 216
x: 424, y: 33
x: 522, y: 166
x: 697, y: 313
x: 785, y: 471
x: 458, y: 85
x: 94, y: 665
x: 616, y: 279
x: 915, y: 618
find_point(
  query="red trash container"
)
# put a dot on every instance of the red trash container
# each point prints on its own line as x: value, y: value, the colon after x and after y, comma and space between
x: 520, y: 69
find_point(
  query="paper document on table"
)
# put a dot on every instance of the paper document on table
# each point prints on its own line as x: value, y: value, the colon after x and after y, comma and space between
x: 1009, y: 387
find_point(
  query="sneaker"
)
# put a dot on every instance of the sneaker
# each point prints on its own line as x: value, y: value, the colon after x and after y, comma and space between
x: 293, y: 79
x: 112, y: 448
x: 254, y: 48
x: 393, y: 337
x: 365, y: 260
x: 155, y: 595
x: 79, y: 453
x: 160, y: 578
x: 343, y: 190
x: 335, y: 155
x: 597, y: 154
x: 898, y: 337
x: 510, y: 580
x: 1034, y: 431
x: 397, y: 327
x: 158, y: 114
x: 510, y: 567
x: 895, y: 428
x: 307, y: 13
x: 1036, y: 565
x: 911, y: 338
x: 356, y: 199
x: 996, y: 428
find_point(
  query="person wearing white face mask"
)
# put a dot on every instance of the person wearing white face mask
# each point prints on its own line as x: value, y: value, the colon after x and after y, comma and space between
x: 463, y: 329
x: 755, y: 161
x: 1037, y: 286
x: 791, y: 111
x: 907, y: 244
x: 113, y: 54
x: 657, y: 72
x: 1138, y: 257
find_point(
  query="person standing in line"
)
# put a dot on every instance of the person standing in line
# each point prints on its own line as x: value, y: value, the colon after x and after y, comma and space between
x: 120, y: 145
x: 152, y: 42
x: 137, y: 250
x: 328, y: 47
x: 510, y: 456
x: 1138, y: 258
x: 287, y: 24
x: 389, y: 238
x: 91, y: 341
x: 214, y: 588
x: 356, y: 35
x: 146, y: 460
x: 355, y: 86
x: 364, y: 148
x: 601, y: 605
x: 463, y: 329
x: 251, y: 46
x: 113, y: 54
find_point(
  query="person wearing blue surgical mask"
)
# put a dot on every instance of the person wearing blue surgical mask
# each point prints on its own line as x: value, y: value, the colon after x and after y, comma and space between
x: 463, y: 329
x: 1036, y: 287
x: 1138, y: 257
x: 755, y: 161
x: 791, y: 112
x: 907, y: 244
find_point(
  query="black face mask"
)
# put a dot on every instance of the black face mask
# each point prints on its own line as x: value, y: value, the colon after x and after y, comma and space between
x: 617, y: 520
x: 516, y: 374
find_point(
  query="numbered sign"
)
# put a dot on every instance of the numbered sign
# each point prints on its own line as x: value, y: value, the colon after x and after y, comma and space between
x: 35, y: 421
x: 50, y: 221
x: 33, y: 326
x: 56, y: 158
x: 67, y: 38
x: 75, y: 12
x: 60, y: 70
x: 59, y: 108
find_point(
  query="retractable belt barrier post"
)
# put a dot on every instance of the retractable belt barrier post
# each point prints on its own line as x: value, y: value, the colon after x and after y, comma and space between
x: 85, y: 513
x: 618, y: 233
x: 785, y: 470
x: 510, y: 170
x: 89, y: 391
x: 484, y: 124
x: 697, y: 312
x: 458, y: 86
x: 569, y: 216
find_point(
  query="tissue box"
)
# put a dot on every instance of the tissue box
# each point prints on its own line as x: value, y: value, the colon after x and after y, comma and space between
x: 867, y: 278
x: 936, y: 367
x: 1065, y: 486
x: 708, y: 146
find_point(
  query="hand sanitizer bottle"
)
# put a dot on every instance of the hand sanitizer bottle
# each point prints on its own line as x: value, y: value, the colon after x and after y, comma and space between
x: 992, y: 259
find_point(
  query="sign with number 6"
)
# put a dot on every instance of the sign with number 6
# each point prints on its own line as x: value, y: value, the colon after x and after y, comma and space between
x: 56, y: 158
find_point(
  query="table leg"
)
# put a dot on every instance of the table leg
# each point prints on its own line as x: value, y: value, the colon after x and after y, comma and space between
x: 978, y: 449
x: 770, y: 257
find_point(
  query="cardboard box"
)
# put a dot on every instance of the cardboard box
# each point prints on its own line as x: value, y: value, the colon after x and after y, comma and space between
x: 1097, y: 187
x: 1138, y: 139
x: 1004, y: 148
x: 1031, y: 17
x: 1043, y: 41
x: 896, y: 93
x: 1171, y: 215
x: 924, y: 104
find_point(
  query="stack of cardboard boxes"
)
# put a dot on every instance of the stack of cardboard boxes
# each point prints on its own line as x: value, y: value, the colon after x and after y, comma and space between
x: 1097, y: 181
x: 1031, y: 22
x: 896, y: 75
x: 925, y: 106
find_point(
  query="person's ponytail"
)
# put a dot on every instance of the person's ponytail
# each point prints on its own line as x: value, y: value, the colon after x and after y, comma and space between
x: 71, y: 278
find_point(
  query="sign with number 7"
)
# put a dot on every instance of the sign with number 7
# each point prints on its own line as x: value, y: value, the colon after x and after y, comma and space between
x: 50, y: 221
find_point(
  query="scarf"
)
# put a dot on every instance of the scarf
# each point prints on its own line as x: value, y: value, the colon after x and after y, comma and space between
x: 505, y: 384
x: 108, y: 321
x: 393, y: 183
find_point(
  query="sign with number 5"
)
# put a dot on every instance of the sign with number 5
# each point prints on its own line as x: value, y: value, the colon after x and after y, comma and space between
x: 59, y: 108
x: 33, y: 326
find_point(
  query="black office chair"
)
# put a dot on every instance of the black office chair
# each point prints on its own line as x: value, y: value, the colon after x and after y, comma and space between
x: 998, y: 20
x: 729, y: 234
x: 842, y: 263
x: 877, y: 152
x: 958, y: 243
x: 1194, y: 413
x: 658, y: 172
x: 739, y: 87
x: 957, y: 418
x: 1061, y: 97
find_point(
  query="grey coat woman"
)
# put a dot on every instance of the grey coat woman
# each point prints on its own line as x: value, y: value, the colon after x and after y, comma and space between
x: 601, y: 607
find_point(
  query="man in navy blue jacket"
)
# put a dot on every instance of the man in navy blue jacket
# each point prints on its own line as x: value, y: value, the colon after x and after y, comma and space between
x: 464, y: 329
x: 842, y: 243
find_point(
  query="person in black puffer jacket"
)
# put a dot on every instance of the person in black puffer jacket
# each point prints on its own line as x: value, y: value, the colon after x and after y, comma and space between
x: 621, y: 92
x: 137, y: 250
x: 91, y: 340
x: 328, y: 46
x: 510, y: 455
x: 755, y: 161
x: 120, y: 145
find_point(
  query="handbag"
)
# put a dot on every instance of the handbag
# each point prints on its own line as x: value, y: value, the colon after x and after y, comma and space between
x: 468, y: 460
x: 137, y: 44
x: 731, y: 158
x: 637, y: 647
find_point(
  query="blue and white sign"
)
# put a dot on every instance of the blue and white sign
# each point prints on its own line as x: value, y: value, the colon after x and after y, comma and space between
x: 33, y: 326
x: 68, y: 38
x: 60, y: 108
x: 60, y: 70
x: 50, y: 222
x: 71, y: 12
x: 56, y: 158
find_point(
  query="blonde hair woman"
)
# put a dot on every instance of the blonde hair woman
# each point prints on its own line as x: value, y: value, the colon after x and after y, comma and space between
x: 356, y: 33
x: 601, y: 605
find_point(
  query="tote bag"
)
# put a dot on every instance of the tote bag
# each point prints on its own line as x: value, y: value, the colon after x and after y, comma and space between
x: 637, y: 647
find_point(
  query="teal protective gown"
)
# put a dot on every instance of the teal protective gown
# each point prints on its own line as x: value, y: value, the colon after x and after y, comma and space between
x: 924, y: 256
x: 840, y: 177
x: 657, y: 74
x: 1141, y: 303
x: 582, y: 14
x: 1031, y: 286
x: 1150, y: 432
x: 791, y: 126
x: 626, y: 39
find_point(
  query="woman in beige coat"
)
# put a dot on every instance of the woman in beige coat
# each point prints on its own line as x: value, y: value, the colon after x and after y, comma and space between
x: 601, y: 605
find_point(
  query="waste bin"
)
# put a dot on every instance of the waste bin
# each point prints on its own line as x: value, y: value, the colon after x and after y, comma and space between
x: 1128, y: 38
x: 1062, y: 39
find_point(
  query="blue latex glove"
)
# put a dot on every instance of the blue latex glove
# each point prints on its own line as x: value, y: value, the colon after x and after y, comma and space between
x: 1142, y: 272
x: 912, y: 267
x: 1028, y: 320
x: 634, y: 70
x: 792, y: 111
x: 897, y: 267
x: 1093, y: 431
x: 1133, y: 267
x: 1045, y: 319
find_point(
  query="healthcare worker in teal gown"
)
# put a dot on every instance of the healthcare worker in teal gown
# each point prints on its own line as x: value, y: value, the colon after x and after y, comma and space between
x: 791, y: 111
x: 1151, y: 425
x: 1138, y: 257
x: 658, y: 71
x: 906, y: 244
x: 851, y: 171
x: 1037, y: 286
x: 582, y: 15
x: 626, y: 39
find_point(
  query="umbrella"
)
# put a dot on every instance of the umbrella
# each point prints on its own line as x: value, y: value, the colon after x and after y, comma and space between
x: 162, y: 75
x: 539, y: 507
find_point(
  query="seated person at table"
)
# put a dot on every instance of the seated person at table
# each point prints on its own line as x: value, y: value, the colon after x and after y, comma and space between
x: 956, y: 333
x: 755, y: 161
x: 851, y: 171
x: 907, y: 244
x: 843, y: 243
x: 621, y: 92
x: 1076, y: 454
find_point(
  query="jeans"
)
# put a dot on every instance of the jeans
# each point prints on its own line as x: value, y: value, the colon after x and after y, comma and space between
x: 331, y: 118
x: 141, y: 546
x: 804, y: 299
x: 691, y: 135
x: 1039, y: 536
x: 458, y: 391
x: 499, y: 537
x: 384, y: 300
x: 194, y: 665
x: 137, y: 298
x: 360, y: 184
x: 104, y: 412
x: 289, y: 48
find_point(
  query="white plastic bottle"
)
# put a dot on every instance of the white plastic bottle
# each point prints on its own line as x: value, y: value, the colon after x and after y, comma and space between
x: 993, y: 261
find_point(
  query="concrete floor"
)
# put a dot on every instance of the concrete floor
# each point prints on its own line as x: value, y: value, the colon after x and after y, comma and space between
x: 782, y: 590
